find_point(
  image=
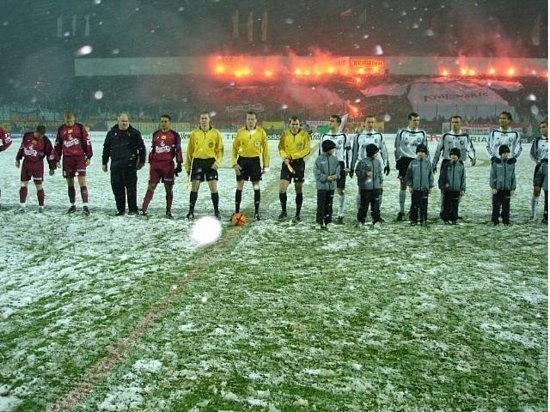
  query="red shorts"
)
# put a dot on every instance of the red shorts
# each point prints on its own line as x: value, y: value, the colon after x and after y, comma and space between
x: 161, y: 171
x: 74, y: 166
x: 34, y: 170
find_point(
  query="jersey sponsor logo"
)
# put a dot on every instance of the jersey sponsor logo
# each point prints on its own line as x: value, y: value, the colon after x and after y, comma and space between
x: 71, y: 142
x: 162, y: 148
x: 29, y: 151
x: 210, y: 145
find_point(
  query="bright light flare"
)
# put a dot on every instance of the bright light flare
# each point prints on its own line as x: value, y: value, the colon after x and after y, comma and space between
x: 84, y: 50
x: 511, y: 71
x: 206, y: 230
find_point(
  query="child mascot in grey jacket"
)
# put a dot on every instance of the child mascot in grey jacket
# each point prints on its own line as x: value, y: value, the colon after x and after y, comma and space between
x: 452, y: 183
x: 503, y: 184
x: 326, y: 171
x: 369, y: 181
x: 420, y: 181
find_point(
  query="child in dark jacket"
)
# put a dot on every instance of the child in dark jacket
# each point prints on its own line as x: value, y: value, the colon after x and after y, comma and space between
x: 503, y: 185
x: 452, y: 183
x: 369, y: 181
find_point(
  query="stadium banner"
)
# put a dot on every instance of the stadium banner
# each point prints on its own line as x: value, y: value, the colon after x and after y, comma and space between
x: 444, y: 99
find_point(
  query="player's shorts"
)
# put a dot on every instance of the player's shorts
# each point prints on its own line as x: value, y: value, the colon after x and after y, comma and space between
x: 34, y: 170
x: 161, y: 171
x: 202, y: 170
x: 341, y: 183
x: 299, y: 166
x: 250, y: 169
x: 74, y: 166
x: 402, y: 165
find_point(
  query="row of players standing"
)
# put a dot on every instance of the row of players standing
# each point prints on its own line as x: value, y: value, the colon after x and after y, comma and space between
x: 415, y: 171
x: 126, y: 151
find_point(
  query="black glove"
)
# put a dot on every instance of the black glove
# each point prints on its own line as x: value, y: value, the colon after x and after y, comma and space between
x: 387, y: 169
x: 495, y: 159
x: 512, y: 160
x: 177, y: 170
x: 351, y: 173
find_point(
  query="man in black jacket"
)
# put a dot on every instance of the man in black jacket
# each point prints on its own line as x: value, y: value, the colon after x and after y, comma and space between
x: 124, y: 146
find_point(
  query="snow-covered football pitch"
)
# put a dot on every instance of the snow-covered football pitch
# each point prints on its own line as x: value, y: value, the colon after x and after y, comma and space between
x: 105, y: 313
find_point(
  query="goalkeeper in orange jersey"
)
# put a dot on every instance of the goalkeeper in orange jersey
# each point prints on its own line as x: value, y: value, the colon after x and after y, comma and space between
x: 294, y: 146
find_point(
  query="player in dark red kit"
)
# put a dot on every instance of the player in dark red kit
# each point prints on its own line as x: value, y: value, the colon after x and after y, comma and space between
x: 165, y: 146
x: 73, y: 144
x: 35, y: 146
x: 5, y: 138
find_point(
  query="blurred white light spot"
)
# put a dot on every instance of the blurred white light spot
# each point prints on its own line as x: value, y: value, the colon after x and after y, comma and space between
x: 378, y: 50
x: 204, y: 299
x: 98, y: 95
x: 181, y: 9
x: 535, y: 110
x: 66, y: 34
x: 357, y: 100
x: 212, y: 114
x: 206, y: 230
x: 289, y: 21
x: 532, y: 98
x: 415, y: 26
x: 115, y: 51
x: 5, y: 23
x: 284, y: 107
x: 365, y: 36
x: 97, y: 1
x: 34, y: 99
x: 84, y: 50
x: 429, y: 32
x: 387, y: 117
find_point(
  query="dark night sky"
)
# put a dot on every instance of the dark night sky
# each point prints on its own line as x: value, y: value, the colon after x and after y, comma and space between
x: 347, y: 27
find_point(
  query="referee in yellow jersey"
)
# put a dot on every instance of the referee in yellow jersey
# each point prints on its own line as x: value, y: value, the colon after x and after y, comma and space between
x: 249, y: 145
x: 294, y: 146
x: 204, y: 157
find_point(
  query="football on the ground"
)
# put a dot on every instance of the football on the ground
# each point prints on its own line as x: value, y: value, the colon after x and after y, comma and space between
x: 238, y: 219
